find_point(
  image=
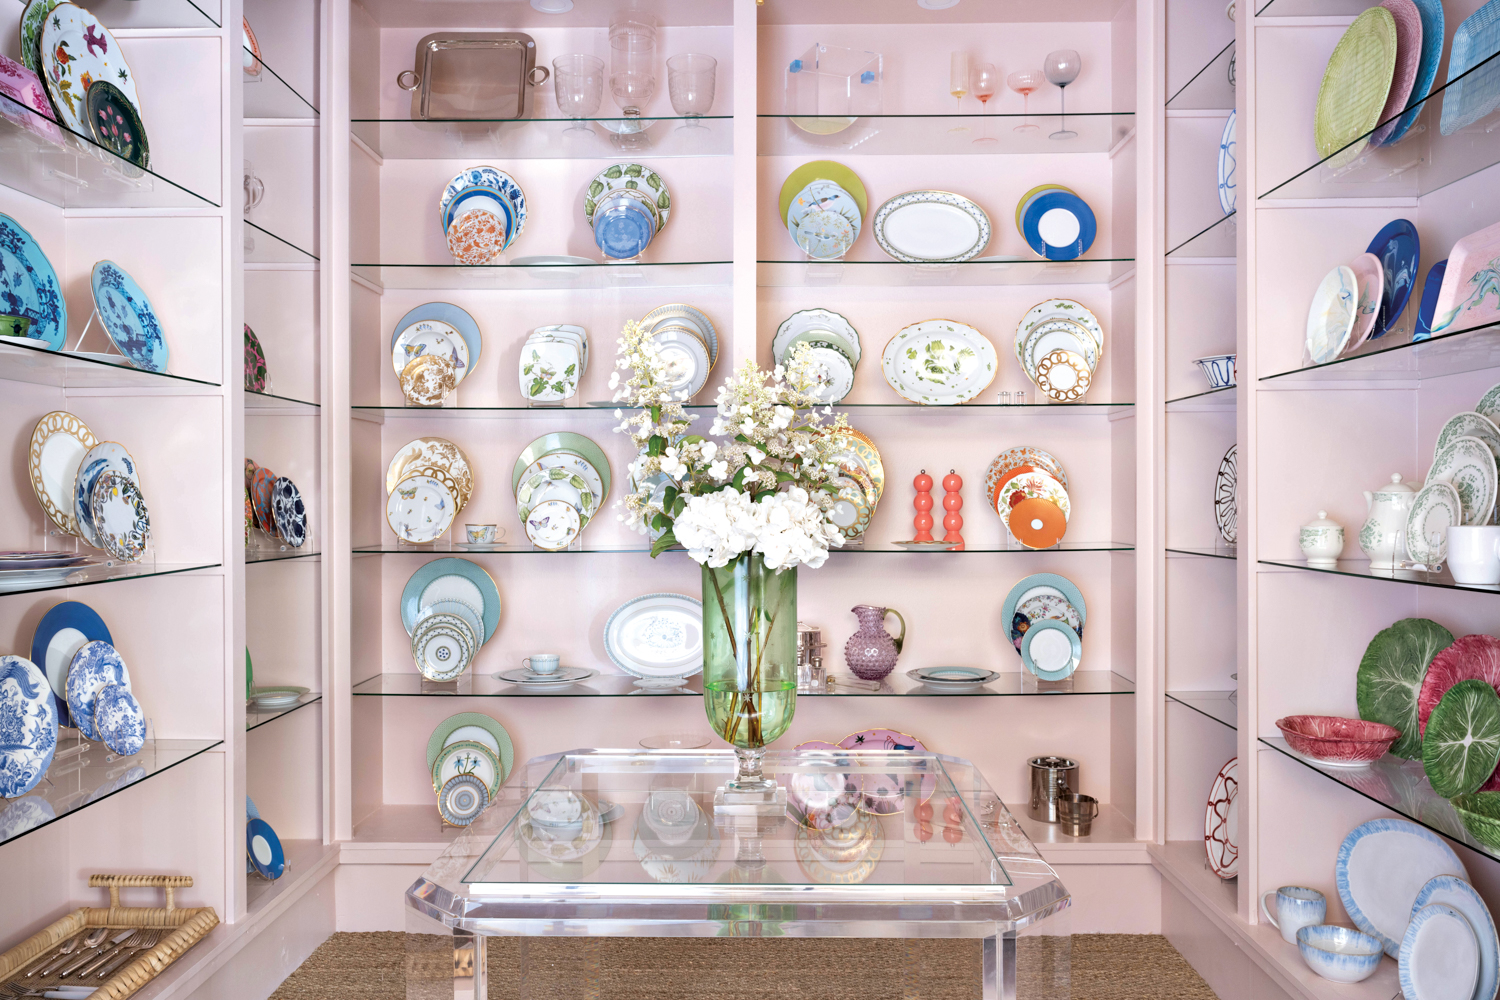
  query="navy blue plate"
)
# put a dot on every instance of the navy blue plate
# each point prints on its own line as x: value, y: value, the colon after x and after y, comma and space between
x: 1430, y: 292
x: 1400, y: 252
x: 264, y: 849
x: 59, y: 636
x: 1041, y: 227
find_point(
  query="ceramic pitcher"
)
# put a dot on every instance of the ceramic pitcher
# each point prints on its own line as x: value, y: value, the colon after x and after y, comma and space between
x: 871, y: 651
x: 1381, y: 536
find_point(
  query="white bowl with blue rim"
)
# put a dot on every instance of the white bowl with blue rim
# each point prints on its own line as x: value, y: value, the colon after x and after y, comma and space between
x: 1339, y: 954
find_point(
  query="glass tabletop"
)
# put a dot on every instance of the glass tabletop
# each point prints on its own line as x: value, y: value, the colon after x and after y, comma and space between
x: 872, y: 843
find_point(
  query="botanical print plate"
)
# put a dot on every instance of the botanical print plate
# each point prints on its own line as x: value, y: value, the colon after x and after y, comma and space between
x: 1355, y: 84
x: 431, y: 452
x: 29, y: 287
x: 449, y: 315
x: 289, y: 513
x: 838, y: 372
x: 1468, y: 466
x: 115, y: 123
x: 561, y: 441
x: 119, y: 721
x: 1058, y: 225
x: 1370, y: 280
x: 1057, y: 309
x: 61, y: 633
x: 428, y: 380
x: 1473, y: 90
x: 570, y: 465
x: 1031, y: 486
x: 548, y: 371
x: 552, y: 524
x: 430, y: 337
x: 420, y: 509
x: 1226, y: 500
x: 1331, y: 317
x: 107, y: 456
x: 28, y: 726
x: 467, y: 757
x: 1463, y: 897
x: 814, y: 321
x: 931, y: 226
x: 1063, y: 376
x: 121, y: 520
x: 557, y: 484
x: 939, y: 362
x: 1221, y: 822
x: 1471, y: 283
x: 75, y: 50
x: 255, y: 362
x: 1380, y: 869
x: 1228, y: 164
x: 571, y: 334
x: 1022, y: 458
x: 21, y: 84
x: 1399, y: 249
x: 58, y: 445
x: 677, y: 312
x: 629, y: 177
x: 823, y: 235
x: 1470, y: 424
x: 1489, y: 404
x: 128, y: 318
x: 33, y: 18
x: 463, y: 726
x: 1436, y: 509
x: 656, y: 635
x: 95, y: 665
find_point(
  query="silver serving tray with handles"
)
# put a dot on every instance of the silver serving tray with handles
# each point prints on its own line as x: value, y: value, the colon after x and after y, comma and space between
x: 473, y: 75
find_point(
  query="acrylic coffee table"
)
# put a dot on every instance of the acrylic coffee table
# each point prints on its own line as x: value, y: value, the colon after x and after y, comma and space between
x: 605, y: 843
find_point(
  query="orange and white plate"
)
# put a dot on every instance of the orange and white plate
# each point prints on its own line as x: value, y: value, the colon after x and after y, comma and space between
x: 1035, y: 509
x: 1023, y: 458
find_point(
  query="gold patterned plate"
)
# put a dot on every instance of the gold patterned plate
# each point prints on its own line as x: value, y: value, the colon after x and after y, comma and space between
x: 431, y: 452
x: 1355, y: 84
x: 857, y: 446
x: 58, y: 445
x: 428, y: 380
x: 1063, y: 376
x: 441, y: 475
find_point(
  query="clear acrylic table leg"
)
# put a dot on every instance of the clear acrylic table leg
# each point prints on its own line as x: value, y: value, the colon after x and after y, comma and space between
x: 999, y: 966
x: 469, y: 972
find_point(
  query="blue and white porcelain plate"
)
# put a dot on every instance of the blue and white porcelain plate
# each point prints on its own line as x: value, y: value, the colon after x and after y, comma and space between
x: 448, y: 314
x: 656, y: 635
x: 264, y: 849
x: 495, y: 180
x: 28, y: 726
x: 97, y: 664
x: 1470, y: 96
x: 290, y: 514
x: 1059, y: 225
x: 1431, y: 13
x: 1464, y: 898
x: 29, y: 287
x: 128, y: 317
x: 106, y: 456
x: 25, y: 814
x: 1428, y: 309
x: 61, y: 633
x: 1381, y: 868
x: 1228, y: 165
x: 624, y: 231
x: 1400, y: 251
x: 462, y: 799
x: 119, y: 721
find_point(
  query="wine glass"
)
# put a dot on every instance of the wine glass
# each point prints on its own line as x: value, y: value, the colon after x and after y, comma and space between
x: 986, y: 80
x: 1024, y: 82
x: 690, y: 84
x: 1062, y: 69
x: 958, y: 83
x: 632, y: 49
x: 578, y: 82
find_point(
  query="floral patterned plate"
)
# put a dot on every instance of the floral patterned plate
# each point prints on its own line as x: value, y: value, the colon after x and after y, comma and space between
x: 119, y: 721
x: 29, y: 286
x: 32, y: 20
x: 1035, y: 509
x: 262, y: 490
x: 816, y: 321
x: 1033, y: 586
x: 420, y: 509
x: 289, y: 513
x: 1013, y: 459
x: 428, y: 380
x: 1057, y: 334
x: 430, y: 337
x: 1057, y: 309
x: 549, y: 371
x: 1436, y: 509
x: 107, y: 456
x: 1467, y: 465
x: 557, y: 484
x: 1470, y: 424
x: 22, y: 85
x: 255, y: 362
x: 938, y: 362
x: 494, y: 179
x: 28, y: 728
x: 94, y: 665
x: 128, y: 318
x: 115, y: 123
x: 74, y: 51
x: 629, y: 177
x: 571, y: 465
x: 120, y: 517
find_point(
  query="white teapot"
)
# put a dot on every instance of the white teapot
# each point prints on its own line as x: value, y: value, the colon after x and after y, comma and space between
x: 1381, y: 535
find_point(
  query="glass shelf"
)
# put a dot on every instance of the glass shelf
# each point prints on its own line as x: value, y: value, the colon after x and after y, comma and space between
x: 888, y: 273
x: 1359, y: 568
x: 264, y: 247
x: 267, y: 95
x: 106, y: 573
x: 543, y: 276
x: 257, y: 717
x: 39, y: 366
x: 54, y: 164
x: 485, y: 685
x: 154, y: 13
x: 608, y: 411
x: 1451, y: 352
x: 1211, y: 88
x: 1217, y: 705
x: 269, y: 404
x: 78, y: 779
x: 1217, y: 240
x: 1217, y: 552
x: 1210, y: 399
x: 1311, y: 8
x: 1400, y: 786
x: 1421, y: 163
x: 944, y: 135
x: 545, y: 138
x: 277, y: 555
x: 444, y: 547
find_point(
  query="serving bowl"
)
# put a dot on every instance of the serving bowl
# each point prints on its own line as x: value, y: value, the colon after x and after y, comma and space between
x: 1340, y: 742
x: 1218, y: 369
x: 1339, y: 954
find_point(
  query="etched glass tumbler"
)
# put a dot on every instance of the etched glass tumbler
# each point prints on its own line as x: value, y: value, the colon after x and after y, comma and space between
x: 578, y: 81
x: 632, y: 61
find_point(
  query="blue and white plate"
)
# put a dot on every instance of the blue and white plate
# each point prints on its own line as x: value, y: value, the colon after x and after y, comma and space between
x: 264, y: 849
x: 1464, y: 898
x: 97, y: 664
x: 61, y: 633
x: 29, y: 287
x: 1431, y: 12
x: 624, y: 231
x: 1468, y: 98
x: 1051, y: 650
x: 25, y: 814
x: 1430, y: 292
x: 1380, y: 870
x: 451, y: 579
x: 1400, y: 251
x: 128, y: 318
x: 1228, y: 164
x: 290, y: 514
x: 447, y: 313
x: 119, y: 721
x: 1059, y: 225
x: 106, y: 456
x: 824, y: 196
x: 28, y: 726
x: 1439, y: 958
x: 494, y: 179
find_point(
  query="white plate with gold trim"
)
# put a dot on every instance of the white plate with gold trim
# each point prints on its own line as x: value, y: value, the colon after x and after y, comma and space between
x: 58, y: 445
x: 430, y: 337
x: 553, y: 524
x: 938, y: 362
x: 420, y: 509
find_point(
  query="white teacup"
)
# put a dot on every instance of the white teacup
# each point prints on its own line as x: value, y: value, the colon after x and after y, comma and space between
x: 1474, y: 554
x: 1296, y: 907
x: 542, y: 663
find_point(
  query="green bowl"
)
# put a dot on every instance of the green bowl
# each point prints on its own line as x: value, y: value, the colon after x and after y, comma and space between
x: 1480, y: 812
x: 15, y: 326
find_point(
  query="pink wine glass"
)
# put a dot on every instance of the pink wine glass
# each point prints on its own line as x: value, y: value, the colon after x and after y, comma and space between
x: 1023, y: 83
x: 986, y: 82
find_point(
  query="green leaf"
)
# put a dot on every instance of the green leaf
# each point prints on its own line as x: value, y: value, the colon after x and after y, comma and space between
x: 1462, y: 744
x: 656, y: 446
x: 1390, y: 677
x: 738, y: 482
x: 669, y: 496
x: 660, y: 522
x: 784, y: 477
x: 662, y: 544
x: 679, y: 506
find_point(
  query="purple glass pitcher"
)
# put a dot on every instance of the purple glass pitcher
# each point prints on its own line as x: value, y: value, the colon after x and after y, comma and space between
x: 871, y: 651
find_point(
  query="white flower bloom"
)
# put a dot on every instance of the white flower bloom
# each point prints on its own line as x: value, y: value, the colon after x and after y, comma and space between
x: 747, y: 427
x: 614, y: 380
x: 755, y: 455
x: 718, y: 471
x: 672, y: 464
x: 750, y: 476
x: 708, y: 449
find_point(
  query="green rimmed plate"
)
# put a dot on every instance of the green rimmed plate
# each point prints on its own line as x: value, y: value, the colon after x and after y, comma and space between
x: 472, y: 726
x: 1355, y: 84
x: 566, y: 441
x: 474, y: 581
x: 474, y: 757
x: 822, y: 170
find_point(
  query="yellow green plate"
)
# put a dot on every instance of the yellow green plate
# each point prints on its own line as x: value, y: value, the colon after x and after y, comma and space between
x: 1356, y: 82
x: 824, y: 170
x: 1021, y: 205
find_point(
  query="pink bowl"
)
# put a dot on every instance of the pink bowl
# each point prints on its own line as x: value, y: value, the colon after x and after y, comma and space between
x: 1336, y: 740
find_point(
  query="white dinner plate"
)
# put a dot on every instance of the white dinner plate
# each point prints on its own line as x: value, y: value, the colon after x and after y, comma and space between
x: 1381, y: 867
x: 656, y: 635
x: 938, y: 362
x: 931, y: 226
x: 1439, y: 956
x: 1464, y: 898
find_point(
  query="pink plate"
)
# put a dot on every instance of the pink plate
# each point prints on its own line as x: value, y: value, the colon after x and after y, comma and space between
x: 889, y: 739
x: 1330, y: 739
x: 1370, y: 276
x: 1408, y: 58
x: 21, y: 85
x: 1221, y: 822
x: 1471, y: 282
x: 1474, y: 657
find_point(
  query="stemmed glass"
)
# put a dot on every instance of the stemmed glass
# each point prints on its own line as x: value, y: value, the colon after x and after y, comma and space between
x: 958, y: 83
x: 578, y: 82
x: 632, y: 48
x: 690, y: 84
x: 1023, y: 83
x: 986, y: 80
x: 1062, y: 69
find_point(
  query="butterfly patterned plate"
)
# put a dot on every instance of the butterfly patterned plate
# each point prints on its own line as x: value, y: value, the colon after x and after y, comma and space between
x: 58, y: 445
x: 105, y: 456
x: 1221, y: 822
x: 449, y: 315
x: 30, y: 726
x: 95, y: 665
x: 1467, y: 465
x: 430, y: 337
x: 420, y: 509
x: 74, y: 51
x: 128, y: 318
x: 557, y: 484
x: 1436, y: 509
x: 431, y: 452
x: 120, y: 517
x: 29, y: 286
x: 561, y: 441
x: 1470, y: 424
x: 938, y: 362
x: 289, y: 512
x: 553, y: 524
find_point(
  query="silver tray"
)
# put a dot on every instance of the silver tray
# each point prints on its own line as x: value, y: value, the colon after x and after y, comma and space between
x: 473, y: 76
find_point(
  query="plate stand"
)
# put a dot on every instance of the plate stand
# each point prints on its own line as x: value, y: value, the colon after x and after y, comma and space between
x: 443, y: 544
x: 109, y: 344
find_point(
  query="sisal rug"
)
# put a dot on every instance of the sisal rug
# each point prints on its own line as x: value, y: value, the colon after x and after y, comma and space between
x: 1101, y: 967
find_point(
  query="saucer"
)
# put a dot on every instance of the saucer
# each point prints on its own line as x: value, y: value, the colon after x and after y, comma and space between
x: 563, y: 675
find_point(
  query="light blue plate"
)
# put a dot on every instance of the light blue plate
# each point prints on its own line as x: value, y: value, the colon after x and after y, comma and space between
x: 1431, y: 12
x: 1400, y: 251
x: 1061, y: 584
x: 952, y: 676
x: 128, y: 318
x: 623, y: 232
x: 1430, y: 292
x: 58, y: 636
x: 1394, y: 869
x: 96, y: 665
x: 1456, y: 925
x: 443, y: 312
x: 1464, y: 898
x: 29, y: 286
x: 827, y: 196
x: 1051, y: 625
x: 28, y: 726
x: 411, y: 594
x: 1060, y: 201
x: 119, y: 721
x: 264, y: 849
x: 1469, y: 98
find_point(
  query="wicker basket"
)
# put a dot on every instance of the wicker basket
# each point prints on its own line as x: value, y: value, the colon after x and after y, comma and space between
x: 188, y: 928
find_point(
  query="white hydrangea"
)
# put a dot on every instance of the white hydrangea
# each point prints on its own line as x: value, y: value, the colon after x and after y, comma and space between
x: 791, y: 530
x: 716, y: 527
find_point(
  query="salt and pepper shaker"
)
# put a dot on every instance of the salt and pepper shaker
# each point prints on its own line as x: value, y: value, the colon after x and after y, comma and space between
x: 952, y: 503
x: 923, y: 503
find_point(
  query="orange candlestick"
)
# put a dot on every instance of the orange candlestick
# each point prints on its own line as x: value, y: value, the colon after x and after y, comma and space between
x: 953, y: 503
x: 923, y: 502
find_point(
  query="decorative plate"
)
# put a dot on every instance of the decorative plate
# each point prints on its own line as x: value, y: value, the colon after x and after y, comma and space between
x: 1461, y: 744
x: 1470, y: 424
x: 428, y: 380
x: 61, y: 633
x: 676, y: 312
x: 469, y: 726
x: 461, y: 800
x: 1331, y: 317
x: 1431, y: 12
x: 24, y: 87
x: 568, y: 465
x: 480, y: 199
x: 1472, y: 657
x: 1059, y: 225
x: 1330, y: 741
x: 561, y: 441
x: 1439, y: 956
x: 1012, y: 459
x: 1226, y: 499
x: 430, y: 336
x: 1431, y: 289
x: 852, y: 507
x: 32, y: 20
x: 29, y: 287
x: 938, y: 362
x: 553, y: 524
x: 451, y: 578
x: 1399, y: 250
x: 255, y: 362
x: 1408, y: 61
x: 1471, y: 96
x: 1436, y: 509
x: 622, y: 229
x: 816, y: 170
x: 549, y: 372
x: 1034, y: 485
x: 420, y: 509
x: 931, y: 226
x: 1468, y: 465
x: 492, y: 179
x: 845, y: 854
x: 557, y: 484
x: 75, y: 50
x: 29, y: 726
x: 250, y: 61
x: 1370, y: 280
x: 1057, y: 309
x: 1063, y: 376
x: 432, y: 453
x: 1228, y: 164
x: 824, y: 196
x: 1057, y: 335
x: 859, y: 451
x: 688, y: 355
x: 565, y: 333
x: 264, y: 849
x: 954, y: 677
x: 629, y: 177
x: 562, y: 677
x: 837, y: 377
x: 823, y: 235
x: 476, y: 237
x: 127, y: 316
x: 467, y: 757
x: 1489, y: 404
x: 119, y: 721
x: 1391, y: 674
x: 290, y: 514
x: 1463, y: 897
x: 121, y: 520
x: 106, y: 456
x: 58, y: 444
x: 1471, y: 278
x: 656, y: 635
x: 814, y: 321
x: 1355, y: 84
x: 1045, y: 602
x: 262, y: 493
x: 1381, y: 867
x: 441, y: 648
x: 462, y: 609
x: 94, y: 665
x: 449, y: 315
x: 115, y: 124
x: 1039, y: 584
x: 1051, y: 650
x: 1221, y: 822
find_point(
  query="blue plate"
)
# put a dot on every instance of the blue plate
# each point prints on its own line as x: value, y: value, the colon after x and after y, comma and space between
x: 1400, y: 251
x: 495, y: 180
x: 1464, y: 898
x: 25, y: 814
x: 59, y: 635
x: 1430, y: 292
x: 28, y: 726
x: 411, y: 594
x: 128, y: 318
x: 251, y: 810
x: 1468, y: 98
x: 29, y: 286
x: 481, y: 197
x: 1378, y: 867
x: 1061, y: 584
x: 1431, y: 12
x: 623, y: 232
x: 443, y: 312
x: 1228, y: 164
x: 96, y: 665
x: 1042, y: 627
x: 264, y: 849
x: 1059, y: 225
x: 119, y: 721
